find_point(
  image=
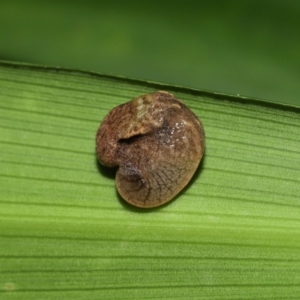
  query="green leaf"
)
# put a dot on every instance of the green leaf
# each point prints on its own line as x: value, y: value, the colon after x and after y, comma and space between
x: 233, y: 233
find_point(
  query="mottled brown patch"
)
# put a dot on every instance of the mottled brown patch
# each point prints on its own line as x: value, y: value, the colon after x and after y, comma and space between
x: 157, y: 142
x: 9, y: 286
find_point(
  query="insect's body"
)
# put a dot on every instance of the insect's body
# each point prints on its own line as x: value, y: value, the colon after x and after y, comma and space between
x: 157, y: 142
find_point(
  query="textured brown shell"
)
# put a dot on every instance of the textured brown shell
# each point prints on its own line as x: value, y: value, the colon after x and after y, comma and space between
x: 157, y: 142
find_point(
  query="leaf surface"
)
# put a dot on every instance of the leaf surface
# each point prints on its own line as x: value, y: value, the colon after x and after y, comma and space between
x: 233, y: 233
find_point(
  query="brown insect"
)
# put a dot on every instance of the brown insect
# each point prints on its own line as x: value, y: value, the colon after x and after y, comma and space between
x: 157, y: 142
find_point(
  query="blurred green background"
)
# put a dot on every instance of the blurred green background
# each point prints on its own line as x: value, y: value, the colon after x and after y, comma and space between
x: 251, y: 48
